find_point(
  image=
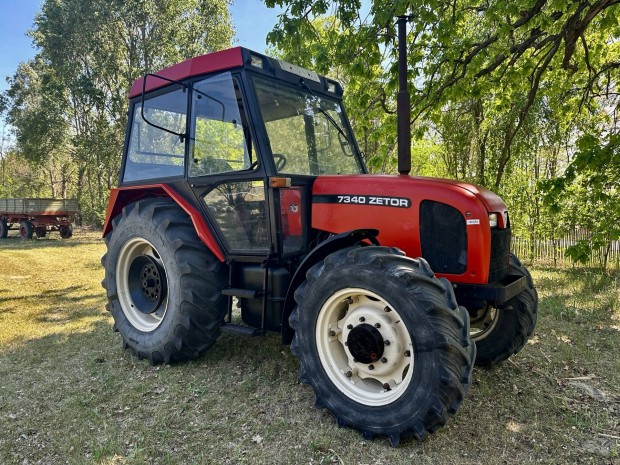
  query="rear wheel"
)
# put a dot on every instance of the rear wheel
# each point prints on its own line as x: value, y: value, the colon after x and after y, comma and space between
x: 4, y: 229
x: 382, y: 342
x: 501, y: 332
x: 66, y: 231
x: 163, y: 284
x: 40, y: 231
x: 26, y: 230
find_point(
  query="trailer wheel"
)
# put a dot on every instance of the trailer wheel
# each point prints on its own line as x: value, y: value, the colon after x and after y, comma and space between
x: 25, y: 230
x: 382, y: 342
x: 500, y: 333
x: 163, y: 285
x: 40, y: 231
x: 66, y: 231
x: 4, y: 229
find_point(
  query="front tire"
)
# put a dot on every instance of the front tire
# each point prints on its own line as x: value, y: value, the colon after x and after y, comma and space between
x: 382, y: 342
x: 163, y: 284
x: 501, y: 332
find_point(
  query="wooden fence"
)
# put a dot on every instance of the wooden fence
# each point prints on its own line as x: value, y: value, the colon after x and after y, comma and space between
x: 552, y: 251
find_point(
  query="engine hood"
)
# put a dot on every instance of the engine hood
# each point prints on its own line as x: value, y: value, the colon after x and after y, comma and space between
x: 410, y: 212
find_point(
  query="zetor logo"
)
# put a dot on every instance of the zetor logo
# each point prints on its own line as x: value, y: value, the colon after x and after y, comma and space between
x: 400, y: 202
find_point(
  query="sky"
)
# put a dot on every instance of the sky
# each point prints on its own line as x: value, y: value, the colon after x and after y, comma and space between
x: 252, y: 20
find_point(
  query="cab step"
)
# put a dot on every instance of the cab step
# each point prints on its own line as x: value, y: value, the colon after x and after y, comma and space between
x: 243, y: 330
x: 242, y: 293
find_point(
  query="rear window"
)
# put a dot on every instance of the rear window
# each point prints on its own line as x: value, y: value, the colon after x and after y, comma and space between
x: 157, y: 152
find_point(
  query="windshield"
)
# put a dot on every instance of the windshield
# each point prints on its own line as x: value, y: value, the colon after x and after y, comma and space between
x: 307, y: 133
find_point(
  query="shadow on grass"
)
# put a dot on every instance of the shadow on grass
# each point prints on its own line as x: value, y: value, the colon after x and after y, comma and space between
x: 15, y: 242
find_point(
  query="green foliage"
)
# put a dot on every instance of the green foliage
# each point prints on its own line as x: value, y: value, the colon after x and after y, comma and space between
x: 501, y: 89
x: 68, y: 105
x: 591, y: 187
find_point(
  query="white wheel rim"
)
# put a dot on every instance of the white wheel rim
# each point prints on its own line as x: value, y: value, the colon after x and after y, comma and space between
x: 134, y: 248
x: 374, y: 384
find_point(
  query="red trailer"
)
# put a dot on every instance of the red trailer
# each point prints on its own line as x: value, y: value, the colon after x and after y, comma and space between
x: 37, y: 216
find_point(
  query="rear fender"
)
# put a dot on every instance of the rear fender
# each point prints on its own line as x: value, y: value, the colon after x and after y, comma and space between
x: 122, y: 196
x: 334, y: 243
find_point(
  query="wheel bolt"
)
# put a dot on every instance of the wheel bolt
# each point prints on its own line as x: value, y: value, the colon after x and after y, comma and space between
x: 377, y: 325
x: 384, y: 360
x: 407, y: 353
x: 362, y: 319
x: 387, y: 387
x: 371, y: 367
x: 386, y: 342
x: 349, y: 326
x: 346, y: 343
x: 332, y: 333
x: 349, y: 374
x: 387, y: 309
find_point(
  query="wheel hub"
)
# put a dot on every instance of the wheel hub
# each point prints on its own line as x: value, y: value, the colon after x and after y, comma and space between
x: 146, y: 284
x: 365, y: 343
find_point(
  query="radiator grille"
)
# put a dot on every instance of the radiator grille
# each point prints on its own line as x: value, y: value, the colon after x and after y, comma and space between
x: 443, y: 237
x: 500, y: 254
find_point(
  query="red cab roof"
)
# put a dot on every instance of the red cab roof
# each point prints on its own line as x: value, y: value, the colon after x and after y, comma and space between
x: 216, y: 61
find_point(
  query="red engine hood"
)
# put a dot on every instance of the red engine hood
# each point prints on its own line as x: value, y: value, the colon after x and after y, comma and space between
x: 391, y: 204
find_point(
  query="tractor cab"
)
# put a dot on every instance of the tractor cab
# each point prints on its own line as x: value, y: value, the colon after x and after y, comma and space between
x: 244, y: 142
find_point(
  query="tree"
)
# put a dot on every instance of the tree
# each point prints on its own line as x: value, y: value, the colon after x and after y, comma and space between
x: 497, y: 61
x: 70, y: 100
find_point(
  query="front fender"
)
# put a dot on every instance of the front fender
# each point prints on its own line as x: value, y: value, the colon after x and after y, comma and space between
x: 333, y: 243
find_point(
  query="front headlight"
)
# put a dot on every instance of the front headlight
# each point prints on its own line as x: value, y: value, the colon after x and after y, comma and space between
x: 493, y: 220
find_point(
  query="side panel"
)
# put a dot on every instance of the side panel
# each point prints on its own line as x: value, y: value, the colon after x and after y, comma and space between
x: 391, y: 204
x: 121, y: 196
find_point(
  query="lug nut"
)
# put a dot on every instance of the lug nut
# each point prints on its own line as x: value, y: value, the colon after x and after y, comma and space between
x: 371, y: 367
x: 387, y: 387
x: 349, y: 374
x: 387, y: 309
x: 407, y: 353
x: 362, y: 319
x: 346, y: 343
x: 384, y: 360
x: 386, y: 342
x: 349, y: 326
x: 377, y: 325
x: 332, y: 333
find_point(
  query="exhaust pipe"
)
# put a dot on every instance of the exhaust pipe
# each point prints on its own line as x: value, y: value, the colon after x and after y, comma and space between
x: 403, y: 109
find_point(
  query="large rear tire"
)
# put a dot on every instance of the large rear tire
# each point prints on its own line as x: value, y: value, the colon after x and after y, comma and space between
x: 500, y: 333
x: 163, y: 285
x: 382, y: 342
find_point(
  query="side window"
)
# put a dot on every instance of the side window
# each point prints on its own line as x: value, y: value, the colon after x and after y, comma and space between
x: 154, y: 152
x: 219, y: 129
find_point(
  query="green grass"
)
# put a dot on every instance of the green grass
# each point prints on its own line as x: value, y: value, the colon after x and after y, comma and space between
x: 69, y: 393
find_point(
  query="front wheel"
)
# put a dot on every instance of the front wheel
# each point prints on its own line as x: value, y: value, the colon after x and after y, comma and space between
x: 382, y: 342
x: 163, y: 284
x: 501, y: 332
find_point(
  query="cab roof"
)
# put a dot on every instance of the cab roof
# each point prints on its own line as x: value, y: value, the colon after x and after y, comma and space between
x: 211, y: 62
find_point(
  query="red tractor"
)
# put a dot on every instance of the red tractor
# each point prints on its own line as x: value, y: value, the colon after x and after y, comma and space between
x: 242, y: 184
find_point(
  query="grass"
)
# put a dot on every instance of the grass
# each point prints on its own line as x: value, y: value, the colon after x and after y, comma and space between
x: 69, y: 393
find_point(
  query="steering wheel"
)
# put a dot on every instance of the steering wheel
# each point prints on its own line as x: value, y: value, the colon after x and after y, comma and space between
x: 280, y: 161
